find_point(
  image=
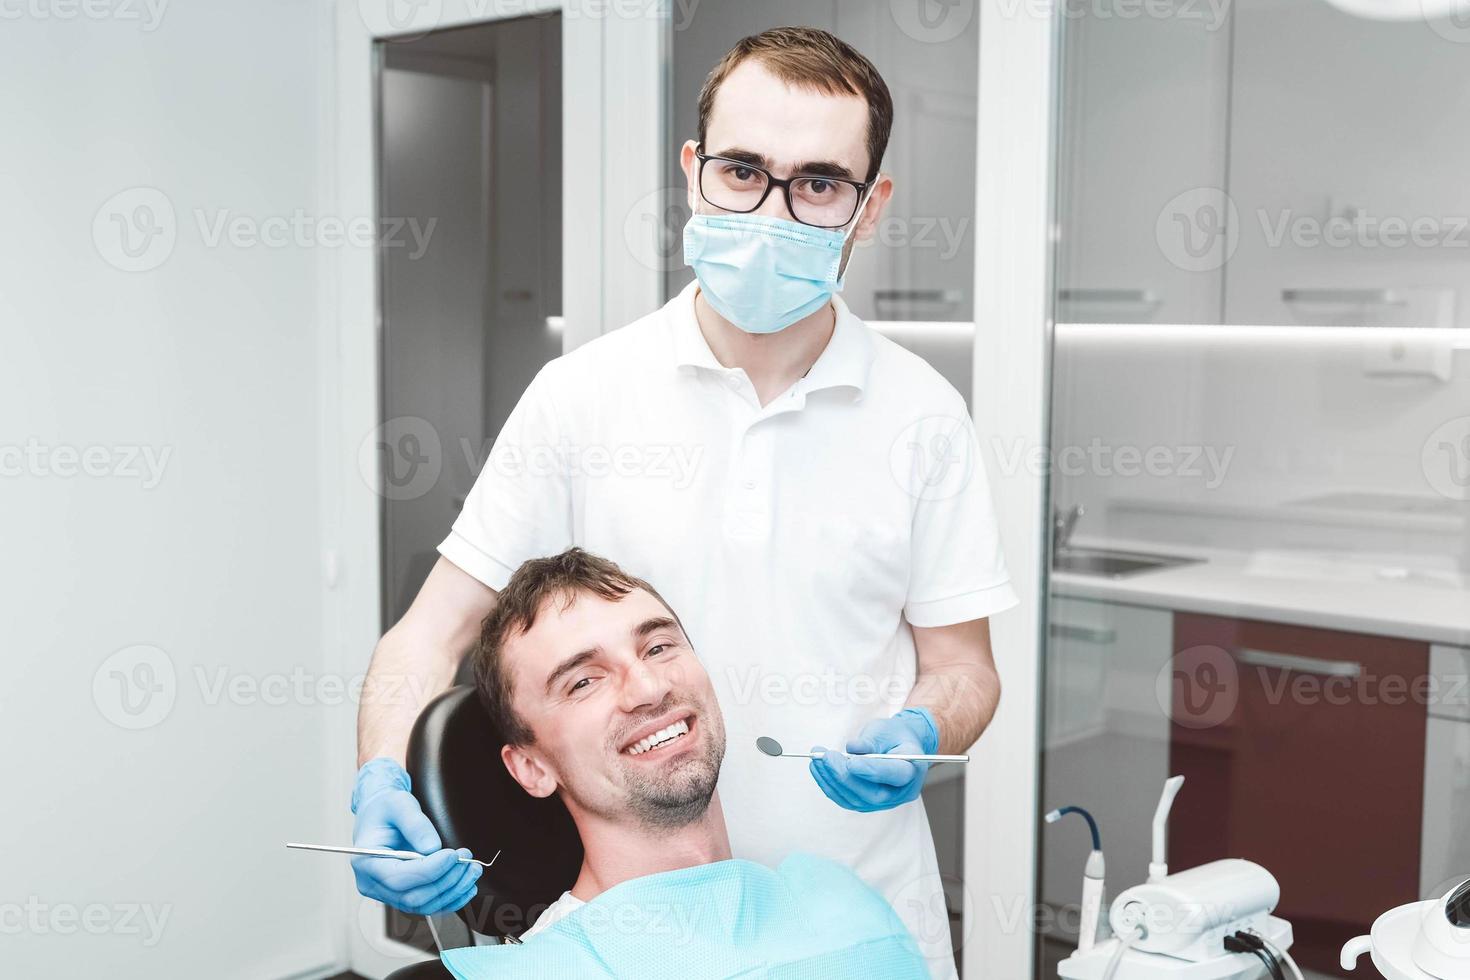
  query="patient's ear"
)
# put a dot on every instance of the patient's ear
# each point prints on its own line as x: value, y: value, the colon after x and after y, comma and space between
x: 528, y: 770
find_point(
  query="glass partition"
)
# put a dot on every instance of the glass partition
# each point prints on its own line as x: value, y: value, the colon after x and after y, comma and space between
x: 1261, y: 457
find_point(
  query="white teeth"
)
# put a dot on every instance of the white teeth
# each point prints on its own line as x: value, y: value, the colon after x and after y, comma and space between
x: 670, y: 733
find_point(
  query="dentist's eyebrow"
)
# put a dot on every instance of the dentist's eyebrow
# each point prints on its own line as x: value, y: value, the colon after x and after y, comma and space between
x: 811, y: 168
x: 568, y: 665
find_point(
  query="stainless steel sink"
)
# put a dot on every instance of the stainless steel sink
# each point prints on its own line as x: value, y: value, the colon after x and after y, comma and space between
x: 1112, y: 564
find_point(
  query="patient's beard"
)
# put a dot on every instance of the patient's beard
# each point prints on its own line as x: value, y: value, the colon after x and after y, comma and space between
x: 675, y: 799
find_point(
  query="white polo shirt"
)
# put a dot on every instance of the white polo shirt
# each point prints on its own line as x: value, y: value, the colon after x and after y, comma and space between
x: 797, y: 542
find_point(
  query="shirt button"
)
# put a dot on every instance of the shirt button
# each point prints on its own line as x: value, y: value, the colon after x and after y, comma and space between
x: 750, y: 484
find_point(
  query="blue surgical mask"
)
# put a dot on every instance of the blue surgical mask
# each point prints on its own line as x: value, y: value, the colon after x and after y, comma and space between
x: 764, y: 274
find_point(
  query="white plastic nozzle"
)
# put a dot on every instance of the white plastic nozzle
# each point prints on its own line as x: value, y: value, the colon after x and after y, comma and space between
x: 1158, y: 868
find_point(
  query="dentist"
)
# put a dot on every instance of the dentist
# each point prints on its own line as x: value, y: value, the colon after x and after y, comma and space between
x: 808, y: 494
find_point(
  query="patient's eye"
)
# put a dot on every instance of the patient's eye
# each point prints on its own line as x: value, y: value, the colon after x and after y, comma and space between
x: 659, y: 648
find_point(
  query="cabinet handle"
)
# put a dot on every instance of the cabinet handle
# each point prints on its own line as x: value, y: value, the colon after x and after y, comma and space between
x: 1299, y: 664
x: 1087, y: 634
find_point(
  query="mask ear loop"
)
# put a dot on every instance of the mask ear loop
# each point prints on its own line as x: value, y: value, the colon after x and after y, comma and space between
x: 852, y: 227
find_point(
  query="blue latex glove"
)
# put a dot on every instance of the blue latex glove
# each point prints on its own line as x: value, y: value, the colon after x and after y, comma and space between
x: 866, y: 785
x: 389, y: 816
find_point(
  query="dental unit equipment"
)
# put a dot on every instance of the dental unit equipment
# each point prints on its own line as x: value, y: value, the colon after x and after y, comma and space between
x: 1211, y: 922
x: 1093, y: 876
x: 772, y: 748
x: 1419, y: 941
x: 382, y: 852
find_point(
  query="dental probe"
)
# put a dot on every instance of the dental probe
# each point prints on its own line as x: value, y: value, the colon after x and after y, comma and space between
x: 382, y: 852
x: 772, y: 748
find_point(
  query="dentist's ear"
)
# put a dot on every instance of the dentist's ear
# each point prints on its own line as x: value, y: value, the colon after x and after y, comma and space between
x: 688, y: 163
x: 527, y: 770
x: 867, y: 225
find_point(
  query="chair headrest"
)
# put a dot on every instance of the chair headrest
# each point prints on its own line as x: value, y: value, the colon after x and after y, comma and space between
x: 471, y: 799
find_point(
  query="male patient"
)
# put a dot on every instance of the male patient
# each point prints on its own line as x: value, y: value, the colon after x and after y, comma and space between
x: 589, y: 677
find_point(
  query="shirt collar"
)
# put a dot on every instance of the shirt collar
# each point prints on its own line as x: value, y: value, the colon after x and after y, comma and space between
x: 845, y: 362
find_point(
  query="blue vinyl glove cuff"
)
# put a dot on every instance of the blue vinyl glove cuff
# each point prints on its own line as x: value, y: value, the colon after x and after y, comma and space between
x: 377, y: 775
x: 929, y: 735
x: 865, y: 785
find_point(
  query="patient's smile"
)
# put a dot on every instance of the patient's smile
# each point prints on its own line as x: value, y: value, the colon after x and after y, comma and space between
x: 658, y: 741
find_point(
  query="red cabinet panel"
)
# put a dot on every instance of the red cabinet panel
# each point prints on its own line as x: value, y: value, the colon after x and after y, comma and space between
x: 1303, y: 750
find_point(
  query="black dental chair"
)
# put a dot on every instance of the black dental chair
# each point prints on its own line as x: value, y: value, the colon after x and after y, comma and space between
x: 454, y: 761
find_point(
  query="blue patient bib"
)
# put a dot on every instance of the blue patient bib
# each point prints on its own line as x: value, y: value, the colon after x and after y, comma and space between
x: 810, y: 919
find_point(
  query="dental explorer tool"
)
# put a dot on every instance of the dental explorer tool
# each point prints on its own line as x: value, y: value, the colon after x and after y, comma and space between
x: 772, y: 748
x: 382, y: 852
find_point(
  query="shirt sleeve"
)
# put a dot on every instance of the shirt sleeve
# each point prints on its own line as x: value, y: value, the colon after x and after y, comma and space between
x: 958, y: 571
x: 520, y: 505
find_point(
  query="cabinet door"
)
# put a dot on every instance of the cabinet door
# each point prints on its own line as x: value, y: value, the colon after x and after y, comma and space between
x: 1315, y: 771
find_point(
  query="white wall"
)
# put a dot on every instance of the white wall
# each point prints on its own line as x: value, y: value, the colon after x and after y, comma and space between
x: 210, y: 360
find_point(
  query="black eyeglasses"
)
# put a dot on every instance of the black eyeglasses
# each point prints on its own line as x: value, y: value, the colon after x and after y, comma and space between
x: 742, y: 187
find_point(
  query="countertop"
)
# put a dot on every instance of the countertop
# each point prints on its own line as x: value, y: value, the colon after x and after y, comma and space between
x: 1284, y: 587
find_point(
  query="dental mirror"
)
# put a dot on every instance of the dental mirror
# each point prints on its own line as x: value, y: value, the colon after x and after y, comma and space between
x: 772, y: 748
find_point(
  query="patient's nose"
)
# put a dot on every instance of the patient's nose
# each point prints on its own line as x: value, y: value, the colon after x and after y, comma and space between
x: 644, y: 685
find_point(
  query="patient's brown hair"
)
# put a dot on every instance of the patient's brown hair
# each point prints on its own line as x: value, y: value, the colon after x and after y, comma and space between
x: 539, y: 581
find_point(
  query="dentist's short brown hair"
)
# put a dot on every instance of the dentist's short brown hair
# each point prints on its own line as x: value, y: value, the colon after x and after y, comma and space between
x: 811, y: 58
